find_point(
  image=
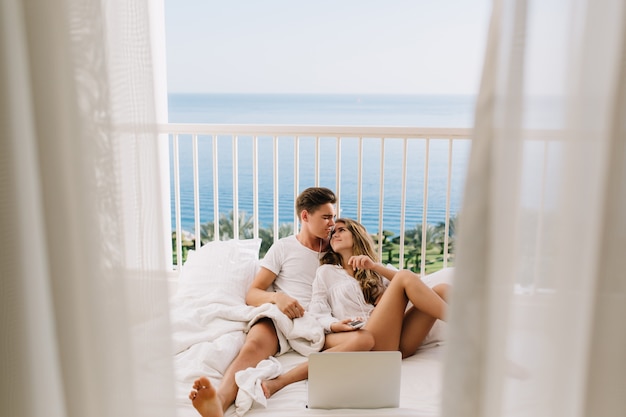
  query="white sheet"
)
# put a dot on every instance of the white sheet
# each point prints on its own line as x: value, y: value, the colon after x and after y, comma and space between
x: 419, y: 396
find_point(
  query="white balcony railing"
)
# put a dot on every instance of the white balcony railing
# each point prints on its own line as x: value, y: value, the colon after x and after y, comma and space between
x: 389, y: 178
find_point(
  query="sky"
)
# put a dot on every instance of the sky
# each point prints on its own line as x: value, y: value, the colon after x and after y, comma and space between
x: 324, y: 46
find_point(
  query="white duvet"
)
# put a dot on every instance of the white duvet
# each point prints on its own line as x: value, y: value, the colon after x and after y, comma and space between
x: 209, y: 330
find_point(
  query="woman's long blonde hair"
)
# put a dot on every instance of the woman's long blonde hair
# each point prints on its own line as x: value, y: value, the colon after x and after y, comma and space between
x: 371, y: 283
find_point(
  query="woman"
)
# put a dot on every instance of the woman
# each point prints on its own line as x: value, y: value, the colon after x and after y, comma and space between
x: 351, y: 283
x: 383, y: 297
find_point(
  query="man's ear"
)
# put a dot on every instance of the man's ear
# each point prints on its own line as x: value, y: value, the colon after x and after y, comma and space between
x: 304, y: 216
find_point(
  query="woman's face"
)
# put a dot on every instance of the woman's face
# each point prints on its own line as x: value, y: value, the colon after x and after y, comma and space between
x: 341, y: 238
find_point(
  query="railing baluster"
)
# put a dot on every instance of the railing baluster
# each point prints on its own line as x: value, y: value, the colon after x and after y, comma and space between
x: 179, y: 243
x: 255, y: 184
x: 447, y: 216
x: 403, y: 203
x: 381, y: 199
x: 425, y: 211
x: 235, y: 187
x: 317, y: 161
x: 216, y: 202
x: 276, y: 191
x: 338, y: 176
x: 196, y: 191
x: 359, y: 181
x: 296, y: 179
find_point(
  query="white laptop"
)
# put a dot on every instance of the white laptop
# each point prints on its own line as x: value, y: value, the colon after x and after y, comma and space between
x: 354, y: 380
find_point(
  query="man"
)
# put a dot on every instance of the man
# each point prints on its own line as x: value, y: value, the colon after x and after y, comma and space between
x: 289, y: 267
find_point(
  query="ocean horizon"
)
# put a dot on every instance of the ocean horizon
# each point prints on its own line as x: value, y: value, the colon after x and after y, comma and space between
x: 432, y: 110
x: 321, y: 109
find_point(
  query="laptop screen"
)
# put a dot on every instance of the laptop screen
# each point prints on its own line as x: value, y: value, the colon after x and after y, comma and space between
x: 354, y: 380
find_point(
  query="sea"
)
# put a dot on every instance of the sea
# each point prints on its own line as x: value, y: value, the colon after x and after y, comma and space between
x: 323, y: 109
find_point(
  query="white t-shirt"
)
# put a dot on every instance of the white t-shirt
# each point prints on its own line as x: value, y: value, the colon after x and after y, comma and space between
x: 294, y: 265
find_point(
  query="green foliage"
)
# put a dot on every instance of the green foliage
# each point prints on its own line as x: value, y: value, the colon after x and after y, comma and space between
x: 434, y: 240
x: 226, y: 231
x: 267, y: 236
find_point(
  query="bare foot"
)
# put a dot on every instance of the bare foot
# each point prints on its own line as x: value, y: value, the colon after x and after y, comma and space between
x: 204, y: 398
x: 270, y: 387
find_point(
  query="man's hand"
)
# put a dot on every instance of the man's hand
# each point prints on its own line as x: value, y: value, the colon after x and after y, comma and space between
x: 288, y: 305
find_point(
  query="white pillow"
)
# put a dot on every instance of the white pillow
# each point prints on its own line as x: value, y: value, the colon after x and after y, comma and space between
x: 223, y: 270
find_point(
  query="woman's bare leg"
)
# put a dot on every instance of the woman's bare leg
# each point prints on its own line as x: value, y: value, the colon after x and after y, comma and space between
x: 204, y: 398
x: 415, y: 328
x: 387, y: 320
x: 358, y: 340
x: 417, y: 324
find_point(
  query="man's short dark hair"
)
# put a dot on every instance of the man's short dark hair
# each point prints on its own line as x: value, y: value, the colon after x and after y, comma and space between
x: 314, y: 197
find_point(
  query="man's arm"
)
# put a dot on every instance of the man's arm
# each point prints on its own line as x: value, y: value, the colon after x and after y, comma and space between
x: 258, y: 294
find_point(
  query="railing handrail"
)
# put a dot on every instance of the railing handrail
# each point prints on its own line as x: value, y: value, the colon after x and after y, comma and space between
x: 317, y: 130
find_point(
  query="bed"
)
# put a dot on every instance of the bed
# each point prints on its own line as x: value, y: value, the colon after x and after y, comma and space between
x: 209, y: 320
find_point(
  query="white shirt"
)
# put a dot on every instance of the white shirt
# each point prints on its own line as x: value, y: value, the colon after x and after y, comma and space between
x: 294, y: 265
x: 337, y: 296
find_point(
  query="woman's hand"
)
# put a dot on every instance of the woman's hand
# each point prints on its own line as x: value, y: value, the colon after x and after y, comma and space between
x: 361, y: 262
x: 344, y: 326
x: 288, y: 305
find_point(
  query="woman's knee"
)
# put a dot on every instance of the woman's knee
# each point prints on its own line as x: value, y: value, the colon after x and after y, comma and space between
x: 364, y: 340
x: 406, y: 275
x: 442, y: 290
x: 406, y: 278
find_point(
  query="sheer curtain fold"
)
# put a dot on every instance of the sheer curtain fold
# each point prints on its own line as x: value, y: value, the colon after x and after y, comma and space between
x: 607, y: 365
x: 540, y: 292
x: 85, y: 316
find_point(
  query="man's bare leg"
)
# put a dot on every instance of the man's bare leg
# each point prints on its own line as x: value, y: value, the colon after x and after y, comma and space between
x: 261, y: 343
x: 204, y: 398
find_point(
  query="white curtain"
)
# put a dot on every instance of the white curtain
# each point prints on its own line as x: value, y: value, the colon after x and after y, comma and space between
x: 83, y: 292
x: 540, y: 297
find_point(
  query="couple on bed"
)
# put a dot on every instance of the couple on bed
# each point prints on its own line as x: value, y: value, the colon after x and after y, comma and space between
x: 329, y: 269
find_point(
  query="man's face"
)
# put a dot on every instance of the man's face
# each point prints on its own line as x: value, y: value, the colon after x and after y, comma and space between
x: 321, y: 221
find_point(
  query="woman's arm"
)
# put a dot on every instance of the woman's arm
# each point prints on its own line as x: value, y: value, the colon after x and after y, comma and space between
x: 319, y: 305
x: 365, y: 262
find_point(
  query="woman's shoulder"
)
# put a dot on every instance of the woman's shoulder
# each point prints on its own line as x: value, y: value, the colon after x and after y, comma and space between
x: 329, y: 267
x: 325, y: 271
